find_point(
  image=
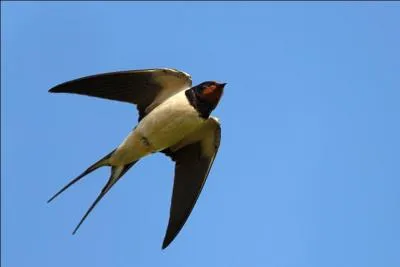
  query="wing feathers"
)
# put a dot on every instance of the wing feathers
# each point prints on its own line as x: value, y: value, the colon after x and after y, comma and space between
x: 193, y: 163
x: 145, y: 88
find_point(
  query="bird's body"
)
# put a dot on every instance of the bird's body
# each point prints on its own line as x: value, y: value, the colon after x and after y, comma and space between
x: 174, y: 118
x: 165, y: 126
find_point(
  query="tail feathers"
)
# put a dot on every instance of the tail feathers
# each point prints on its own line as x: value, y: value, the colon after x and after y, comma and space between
x: 116, y: 173
x: 102, y: 162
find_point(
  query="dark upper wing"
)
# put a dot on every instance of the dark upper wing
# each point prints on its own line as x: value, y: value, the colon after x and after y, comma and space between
x: 194, y: 158
x: 146, y: 88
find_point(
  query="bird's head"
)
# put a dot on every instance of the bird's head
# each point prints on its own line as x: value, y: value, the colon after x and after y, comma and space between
x: 209, y: 92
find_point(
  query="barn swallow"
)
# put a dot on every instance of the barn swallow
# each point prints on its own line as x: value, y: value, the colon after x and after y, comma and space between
x: 174, y: 119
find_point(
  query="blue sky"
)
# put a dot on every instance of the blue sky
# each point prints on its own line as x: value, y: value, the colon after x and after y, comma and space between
x: 308, y: 169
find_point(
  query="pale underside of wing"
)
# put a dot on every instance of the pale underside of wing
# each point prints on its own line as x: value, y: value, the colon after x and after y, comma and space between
x: 146, y: 88
x: 194, y: 158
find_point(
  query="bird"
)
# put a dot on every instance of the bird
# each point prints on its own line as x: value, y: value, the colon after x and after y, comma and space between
x: 174, y: 119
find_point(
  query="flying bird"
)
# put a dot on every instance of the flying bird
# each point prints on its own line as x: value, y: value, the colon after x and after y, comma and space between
x: 174, y: 119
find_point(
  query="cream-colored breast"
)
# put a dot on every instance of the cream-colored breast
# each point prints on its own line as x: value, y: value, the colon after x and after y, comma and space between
x: 168, y: 123
x: 165, y: 126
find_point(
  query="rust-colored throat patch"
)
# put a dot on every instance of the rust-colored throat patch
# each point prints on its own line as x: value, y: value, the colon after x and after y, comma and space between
x: 213, y: 93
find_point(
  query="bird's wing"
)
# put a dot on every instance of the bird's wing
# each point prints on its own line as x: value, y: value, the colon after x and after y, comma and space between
x: 146, y: 88
x: 194, y: 157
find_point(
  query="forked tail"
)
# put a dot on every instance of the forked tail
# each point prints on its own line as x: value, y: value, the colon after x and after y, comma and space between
x: 116, y: 173
x: 102, y: 162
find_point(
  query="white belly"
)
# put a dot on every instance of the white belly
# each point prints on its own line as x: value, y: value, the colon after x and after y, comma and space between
x: 170, y: 122
x: 165, y: 126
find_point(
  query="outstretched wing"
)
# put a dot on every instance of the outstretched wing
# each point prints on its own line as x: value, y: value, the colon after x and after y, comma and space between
x: 194, y: 157
x: 146, y: 88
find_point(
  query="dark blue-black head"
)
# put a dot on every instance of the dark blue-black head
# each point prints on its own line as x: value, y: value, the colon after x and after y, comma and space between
x: 209, y: 92
x: 205, y: 96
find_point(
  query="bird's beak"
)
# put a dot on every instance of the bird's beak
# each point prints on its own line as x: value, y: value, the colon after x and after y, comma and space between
x: 221, y: 85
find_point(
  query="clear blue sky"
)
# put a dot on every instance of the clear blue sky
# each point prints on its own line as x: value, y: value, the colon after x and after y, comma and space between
x: 308, y: 170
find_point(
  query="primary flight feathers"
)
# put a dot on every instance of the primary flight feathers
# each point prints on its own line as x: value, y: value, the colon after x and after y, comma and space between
x: 145, y: 88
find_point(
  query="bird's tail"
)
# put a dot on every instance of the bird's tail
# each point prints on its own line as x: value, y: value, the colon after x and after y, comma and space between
x: 116, y: 173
